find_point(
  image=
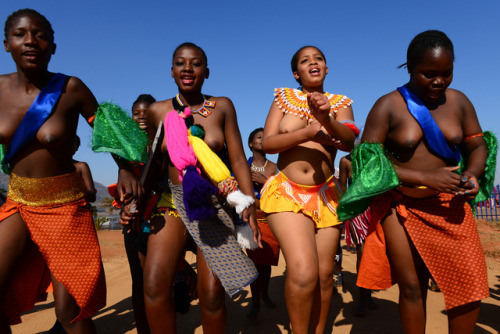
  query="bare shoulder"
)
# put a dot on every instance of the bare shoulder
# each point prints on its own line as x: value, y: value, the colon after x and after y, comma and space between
x: 223, y: 102
x: 387, y: 104
x: 457, y: 96
x: 6, y: 80
x: 159, y: 109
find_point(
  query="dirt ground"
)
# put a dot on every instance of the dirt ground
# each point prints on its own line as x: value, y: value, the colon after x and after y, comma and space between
x: 117, y: 316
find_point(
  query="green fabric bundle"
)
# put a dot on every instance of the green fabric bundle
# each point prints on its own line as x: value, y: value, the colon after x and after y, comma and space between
x: 372, y: 175
x: 488, y: 177
x: 115, y: 132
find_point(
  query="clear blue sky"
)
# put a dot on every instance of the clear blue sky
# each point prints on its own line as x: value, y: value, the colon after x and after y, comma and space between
x: 121, y: 49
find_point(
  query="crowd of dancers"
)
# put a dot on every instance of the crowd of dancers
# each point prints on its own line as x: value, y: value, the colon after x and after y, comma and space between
x: 403, y: 194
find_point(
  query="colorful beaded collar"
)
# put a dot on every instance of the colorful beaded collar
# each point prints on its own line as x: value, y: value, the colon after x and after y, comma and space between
x: 294, y: 102
x: 203, y: 111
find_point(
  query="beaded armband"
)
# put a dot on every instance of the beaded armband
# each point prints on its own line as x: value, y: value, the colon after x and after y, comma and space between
x: 474, y: 136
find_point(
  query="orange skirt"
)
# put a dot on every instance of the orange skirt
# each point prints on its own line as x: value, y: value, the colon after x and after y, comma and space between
x: 269, y: 254
x: 444, y: 232
x: 280, y: 194
x: 64, y: 242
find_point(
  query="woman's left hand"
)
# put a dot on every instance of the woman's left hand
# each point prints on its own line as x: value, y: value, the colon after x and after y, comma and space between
x: 249, y: 216
x: 471, y: 184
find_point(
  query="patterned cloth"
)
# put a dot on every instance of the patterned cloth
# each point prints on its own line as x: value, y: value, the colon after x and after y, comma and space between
x: 444, y: 232
x: 217, y: 241
x: 319, y: 202
x: 357, y: 228
x: 64, y: 241
x: 269, y: 254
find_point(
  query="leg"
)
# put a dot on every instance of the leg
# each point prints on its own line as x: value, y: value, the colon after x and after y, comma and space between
x: 212, y: 298
x: 296, y: 237
x: 255, y: 289
x: 327, y: 241
x: 259, y: 290
x: 166, y: 246
x: 13, y: 238
x: 67, y: 309
x: 462, y: 319
x: 406, y: 263
x: 265, y: 276
x: 141, y: 321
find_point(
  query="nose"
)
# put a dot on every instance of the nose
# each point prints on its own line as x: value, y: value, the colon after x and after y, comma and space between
x: 29, y: 38
x: 187, y: 67
x: 438, y: 81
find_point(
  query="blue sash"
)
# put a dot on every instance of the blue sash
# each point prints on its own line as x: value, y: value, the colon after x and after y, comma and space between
x: 432, y: 133
x: 36, y: 115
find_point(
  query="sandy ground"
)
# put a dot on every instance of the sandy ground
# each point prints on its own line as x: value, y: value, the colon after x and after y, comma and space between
x: 117, y: 316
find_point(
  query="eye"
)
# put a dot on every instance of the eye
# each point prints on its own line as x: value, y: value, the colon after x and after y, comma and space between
x: 179, y: 63
x: 428, y: 75
x: 197, y: 64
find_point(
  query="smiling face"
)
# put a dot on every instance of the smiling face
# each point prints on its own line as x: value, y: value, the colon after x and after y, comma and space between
x: 430, y: 77
x: 311, y: 68
x: 30, y: 43
x: 140, y: 113
x: 189, y: 69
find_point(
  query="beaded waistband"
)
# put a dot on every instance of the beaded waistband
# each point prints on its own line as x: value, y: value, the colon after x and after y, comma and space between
x: 58, y: 189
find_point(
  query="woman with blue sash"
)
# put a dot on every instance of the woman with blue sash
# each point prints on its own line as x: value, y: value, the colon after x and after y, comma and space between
x: 46, y: 228
x: 422, y: 159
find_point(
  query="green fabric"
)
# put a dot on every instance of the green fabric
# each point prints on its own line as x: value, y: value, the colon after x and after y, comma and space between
x: 4, y: 166
x: 115, y: 132
x: 488, y: 177
x: 372, y: 175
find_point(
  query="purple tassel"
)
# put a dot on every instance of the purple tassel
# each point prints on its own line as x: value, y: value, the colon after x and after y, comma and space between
x: 198, y: 195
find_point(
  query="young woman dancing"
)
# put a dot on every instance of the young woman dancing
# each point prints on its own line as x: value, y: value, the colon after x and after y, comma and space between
x: 221, y: 264
x: 46, y: 229
x: 305, y: 126
x: 423, y: 157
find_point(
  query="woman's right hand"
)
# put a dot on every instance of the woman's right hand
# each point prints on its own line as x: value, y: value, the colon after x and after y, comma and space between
x: 128, y: 216
x: 318, y: 134
x: 444, y: 179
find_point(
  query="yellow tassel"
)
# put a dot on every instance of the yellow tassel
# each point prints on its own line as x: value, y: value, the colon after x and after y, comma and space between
x: 213, y: 166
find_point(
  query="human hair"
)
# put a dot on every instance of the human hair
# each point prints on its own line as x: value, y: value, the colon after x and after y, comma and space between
x: 429, y: 39
x: 252, y: 135
x: 295, y: 59
x: 27, y: 12
x: 191, y: 45
x: 146, y: 98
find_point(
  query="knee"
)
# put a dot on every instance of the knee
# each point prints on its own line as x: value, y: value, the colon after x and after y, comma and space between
x: 410, y: 292
x: 326, y: 278
x: 155, y: 288
x: 66, y: 311
x: 212, y: 298
x: 302, y: 278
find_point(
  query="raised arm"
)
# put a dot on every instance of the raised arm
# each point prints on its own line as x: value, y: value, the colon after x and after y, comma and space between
x: 320, y: 109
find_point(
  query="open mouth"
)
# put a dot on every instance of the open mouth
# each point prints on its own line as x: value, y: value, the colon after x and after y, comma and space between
x: 315, y: 71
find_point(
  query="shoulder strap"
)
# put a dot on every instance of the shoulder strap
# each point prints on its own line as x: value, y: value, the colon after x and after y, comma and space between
x: 432, y: 133
x: 36, y: 115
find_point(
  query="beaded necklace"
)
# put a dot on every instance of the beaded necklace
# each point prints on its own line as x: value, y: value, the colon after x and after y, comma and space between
x: 293, y: 101
x: 258, y: 168
x: 203, y: 111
